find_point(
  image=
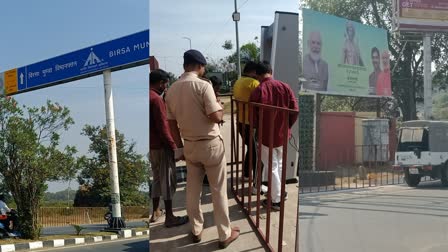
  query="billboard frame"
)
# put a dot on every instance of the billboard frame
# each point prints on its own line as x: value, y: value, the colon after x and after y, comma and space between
x: 302, y: 78
x: 415, y: 25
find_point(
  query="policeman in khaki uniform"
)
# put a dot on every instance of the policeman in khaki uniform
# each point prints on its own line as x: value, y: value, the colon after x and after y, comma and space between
x: 194, y: 112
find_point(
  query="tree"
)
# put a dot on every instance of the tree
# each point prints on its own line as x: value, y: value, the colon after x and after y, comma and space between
x: 228, y: 45
x: 30, y: 156
x: 94, y: 178
x: 388, y: 106
x: 60, y: 197
x: 406, y: 57
x: 172, y: 77
x: 441, y: 107
x: 248, y: 52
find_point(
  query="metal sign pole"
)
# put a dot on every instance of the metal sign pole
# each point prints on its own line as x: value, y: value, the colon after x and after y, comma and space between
x: 236, y: 18
x: 427, y: 76
x: 117, y: 222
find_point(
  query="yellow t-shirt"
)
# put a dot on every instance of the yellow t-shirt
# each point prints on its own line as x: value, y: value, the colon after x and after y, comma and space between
x: 241, y: 91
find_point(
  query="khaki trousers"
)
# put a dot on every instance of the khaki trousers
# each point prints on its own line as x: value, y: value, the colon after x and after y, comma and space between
x: 207, y: 157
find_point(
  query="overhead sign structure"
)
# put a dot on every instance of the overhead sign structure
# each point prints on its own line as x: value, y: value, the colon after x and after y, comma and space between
x: 421, y: 15
x: 343, y: 57
x: 117, y: 54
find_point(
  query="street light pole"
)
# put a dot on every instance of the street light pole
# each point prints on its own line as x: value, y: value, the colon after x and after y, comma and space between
x: 427, y: 77
x: 236, y: 18
x: 117, y: 221
x: 189, y: 39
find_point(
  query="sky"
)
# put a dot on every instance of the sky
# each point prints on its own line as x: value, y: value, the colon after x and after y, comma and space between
x: 37, y: 30
x: 208, y: 24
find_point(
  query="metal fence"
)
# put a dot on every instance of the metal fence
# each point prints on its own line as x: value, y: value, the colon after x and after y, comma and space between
x: 63, y: 216
x: 260, y: 217
x: 359, y: 167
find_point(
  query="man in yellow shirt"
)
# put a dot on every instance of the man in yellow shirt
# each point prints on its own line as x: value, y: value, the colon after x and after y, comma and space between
x: 241, y: 91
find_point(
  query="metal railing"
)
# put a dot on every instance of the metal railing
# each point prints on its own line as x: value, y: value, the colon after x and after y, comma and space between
x: 359, y: 167
x: 242, y: 191
x: 63, y: 216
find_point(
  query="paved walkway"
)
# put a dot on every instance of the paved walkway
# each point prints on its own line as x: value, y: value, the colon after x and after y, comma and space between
x: 178, y: 239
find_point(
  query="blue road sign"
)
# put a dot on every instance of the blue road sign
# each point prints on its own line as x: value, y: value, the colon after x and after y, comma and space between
x: 121, y: 53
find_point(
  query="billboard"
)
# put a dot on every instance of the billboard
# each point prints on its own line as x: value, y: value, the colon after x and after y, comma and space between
x: 343, y: 57
x: 421, y: 15
x: 117, y: 54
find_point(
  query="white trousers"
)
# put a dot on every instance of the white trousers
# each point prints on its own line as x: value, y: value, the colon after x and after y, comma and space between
x: 277, y: 156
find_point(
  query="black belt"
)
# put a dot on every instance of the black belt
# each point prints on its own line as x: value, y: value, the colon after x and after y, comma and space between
x: 202, y: 139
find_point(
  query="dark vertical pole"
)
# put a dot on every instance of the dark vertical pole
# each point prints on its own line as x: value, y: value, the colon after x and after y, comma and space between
x: 269, y: 173
x: 378, y: 107
x: 243, y: 151
x: 232, y: 142
x: 251, y: 153
x: 317, y: 130
x: 259, y: 163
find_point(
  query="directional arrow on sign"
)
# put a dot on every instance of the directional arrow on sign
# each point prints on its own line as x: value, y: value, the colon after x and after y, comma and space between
x: 21, y: 78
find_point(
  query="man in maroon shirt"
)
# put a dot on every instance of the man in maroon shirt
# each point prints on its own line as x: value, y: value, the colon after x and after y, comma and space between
x: 162, y: 149
x: 275, y: 93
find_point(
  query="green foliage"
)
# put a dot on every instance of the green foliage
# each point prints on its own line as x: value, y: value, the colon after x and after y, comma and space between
x: 227, y: 45
x: 78, y: 228
x: 173, y: 78
x: 30, y: 155
x: 441, y: 107
x: 306, y: 133
x: 227, y: 65
x: 59, y: 198
x: 94, y: 178
x: 345, y: 104
x: 248, y: 52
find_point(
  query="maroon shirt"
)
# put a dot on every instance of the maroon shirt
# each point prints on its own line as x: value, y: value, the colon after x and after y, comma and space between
x: 160, y: 135
x: 275, y: 93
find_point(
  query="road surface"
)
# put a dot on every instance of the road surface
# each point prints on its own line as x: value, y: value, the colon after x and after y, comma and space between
x: 391, y: 218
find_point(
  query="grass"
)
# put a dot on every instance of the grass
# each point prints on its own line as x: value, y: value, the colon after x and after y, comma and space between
x: 14, y: 241
x: 140, y: 228
x: 78, y: 228
x: 67, y: 236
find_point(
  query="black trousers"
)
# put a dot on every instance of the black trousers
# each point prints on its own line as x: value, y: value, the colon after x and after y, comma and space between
x: 248, y: 141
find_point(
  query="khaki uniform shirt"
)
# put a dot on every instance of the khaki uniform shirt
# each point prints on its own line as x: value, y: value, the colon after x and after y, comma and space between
x: 189, y: 100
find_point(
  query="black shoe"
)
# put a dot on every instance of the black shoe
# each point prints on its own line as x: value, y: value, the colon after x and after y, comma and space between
x: 274, y: 206
x: 263, y: 190
x: 196, y: 238
x: 286, y: 195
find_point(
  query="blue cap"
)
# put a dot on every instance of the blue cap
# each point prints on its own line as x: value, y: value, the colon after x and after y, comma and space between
x: 194, y: 56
